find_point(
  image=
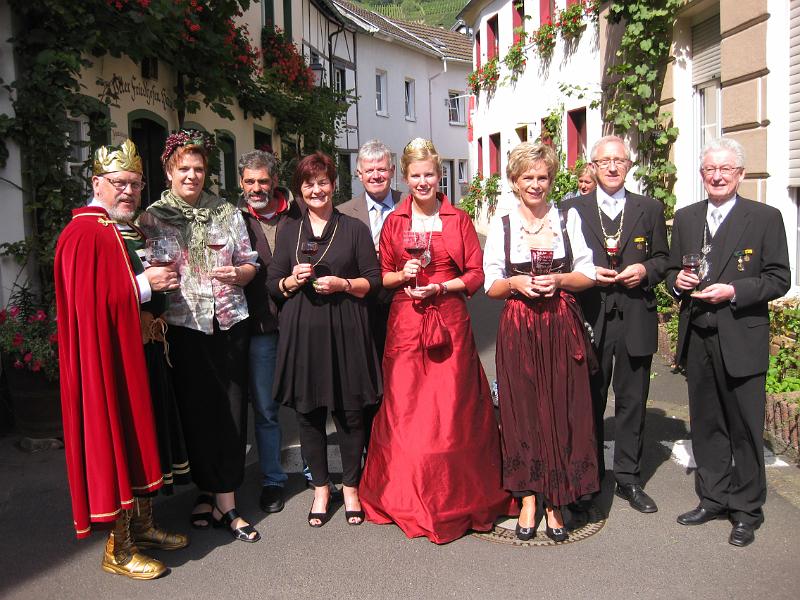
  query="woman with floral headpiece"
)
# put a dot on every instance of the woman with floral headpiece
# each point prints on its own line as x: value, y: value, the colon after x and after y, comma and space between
x: 433, y: 465
x: 207, y: 332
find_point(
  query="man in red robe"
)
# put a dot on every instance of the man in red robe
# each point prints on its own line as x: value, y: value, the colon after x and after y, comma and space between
x: 109, y: 431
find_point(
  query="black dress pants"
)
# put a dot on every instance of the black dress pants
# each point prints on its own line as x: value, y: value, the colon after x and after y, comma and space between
x: 314, y: 444
x: 630, y: 377
x: 727, y: 421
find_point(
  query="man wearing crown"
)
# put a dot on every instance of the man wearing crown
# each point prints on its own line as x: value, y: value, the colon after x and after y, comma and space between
x: 110, y: 438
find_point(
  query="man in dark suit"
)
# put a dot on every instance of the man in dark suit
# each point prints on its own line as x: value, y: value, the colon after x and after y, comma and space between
x: 375, y: 168
x: 628, y: 237
x: 266, y: 208
x: 723, y: 336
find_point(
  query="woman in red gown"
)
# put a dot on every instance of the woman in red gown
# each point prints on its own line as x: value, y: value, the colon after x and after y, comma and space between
x: 433, y: 465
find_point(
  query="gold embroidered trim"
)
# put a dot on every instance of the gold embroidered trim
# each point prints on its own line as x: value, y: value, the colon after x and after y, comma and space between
x: 148, y: 486
x: 103, y: 515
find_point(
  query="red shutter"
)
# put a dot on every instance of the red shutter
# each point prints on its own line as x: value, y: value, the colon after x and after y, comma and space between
x: 517, y: 19
x: 494, y: 154
x: 576, y: 135
x: 545, y: 12
x: 492, y: 46
x: 477, y: 50
x: 480, y: 157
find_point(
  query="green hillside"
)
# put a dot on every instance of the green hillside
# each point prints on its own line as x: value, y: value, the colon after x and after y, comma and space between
x: 439, y: 13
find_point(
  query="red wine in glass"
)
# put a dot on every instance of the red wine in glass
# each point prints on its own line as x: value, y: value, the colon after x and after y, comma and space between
x: 415, y: 244
x: 691, y: 263
x: 310, y: 249
x: 541, y: 260
x: 216, y: 240
x: 162, y: 251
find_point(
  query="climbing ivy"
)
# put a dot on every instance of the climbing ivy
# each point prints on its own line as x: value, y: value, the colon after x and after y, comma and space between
x: 632, y: 101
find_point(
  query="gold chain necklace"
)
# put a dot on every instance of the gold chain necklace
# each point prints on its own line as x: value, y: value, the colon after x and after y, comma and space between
x: 611, y: 240
x: 330, y: 243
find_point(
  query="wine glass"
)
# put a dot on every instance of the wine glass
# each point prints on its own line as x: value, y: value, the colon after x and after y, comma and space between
x: 415, y: 244
x: 691, y: 263
x: 310, y: 249
x: 216, y: 239
x: 541, y: 260
x: 162, y: 251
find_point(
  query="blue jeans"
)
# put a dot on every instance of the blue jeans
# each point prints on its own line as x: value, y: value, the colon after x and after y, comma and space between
x: 263, y: 354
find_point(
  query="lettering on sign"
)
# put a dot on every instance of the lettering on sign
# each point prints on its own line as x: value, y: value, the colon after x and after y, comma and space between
x: 135, y: 89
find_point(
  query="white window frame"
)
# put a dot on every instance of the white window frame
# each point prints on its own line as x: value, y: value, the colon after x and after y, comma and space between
x: 463, y: 171
x: 444, y: 181
x: 409, y: 95
x: 456, y: 100
x: 339, y: 79
x: 76, y: 164
x: 381, y: 93
x: 704, y: 132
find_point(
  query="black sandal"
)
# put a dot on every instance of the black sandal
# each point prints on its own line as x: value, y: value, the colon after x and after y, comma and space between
x: 202, y: 520
x: 240, y: 533
x: 321, y: 517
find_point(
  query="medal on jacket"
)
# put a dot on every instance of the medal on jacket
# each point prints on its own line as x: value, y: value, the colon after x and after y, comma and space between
x: 612, y: 248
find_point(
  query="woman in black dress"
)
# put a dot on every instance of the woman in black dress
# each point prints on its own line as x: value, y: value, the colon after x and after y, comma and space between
x: 547, y: 431
x: 323, y: 267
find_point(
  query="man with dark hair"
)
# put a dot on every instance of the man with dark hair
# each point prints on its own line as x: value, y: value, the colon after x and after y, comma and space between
x: 266, y: 207
x: 729, y: 259
x: 628, y: 237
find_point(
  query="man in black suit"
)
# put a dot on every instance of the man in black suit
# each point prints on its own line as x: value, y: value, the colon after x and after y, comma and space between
x: 628, y: 237
x: 723, y: 336
x: 375, y: 168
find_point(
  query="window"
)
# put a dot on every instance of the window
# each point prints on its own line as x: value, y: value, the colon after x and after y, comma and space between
x: 518, y: 20
x: 462, y: 171
x: 287, y: 19
x: 409, y: 99
x: 522, y: 133
x: 546, y: 11
x: 227, y: 163
x: 78, y: 135
x: 339, y: 80
x: 455, y: 108
x: 381, y: 100
x: 576, y: 135
x: 262, y: 140
x: 544, y: 136
x: 706, y: 66
x: 150, y: 68
x: 444, y: 181
x: 268, y: 12
x: 492, y: 41
x: 708, y: 117
x: 477, y: 50
x: 480, y: 156
x: 494, y: 154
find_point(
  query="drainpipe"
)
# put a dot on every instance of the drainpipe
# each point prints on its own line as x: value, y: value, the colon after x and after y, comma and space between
x: 430, y: 97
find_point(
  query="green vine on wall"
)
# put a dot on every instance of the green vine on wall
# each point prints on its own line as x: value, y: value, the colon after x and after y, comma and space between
x: 632, y: 101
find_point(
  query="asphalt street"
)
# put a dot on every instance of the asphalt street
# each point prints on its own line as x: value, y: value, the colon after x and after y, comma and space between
x: 633, y: 555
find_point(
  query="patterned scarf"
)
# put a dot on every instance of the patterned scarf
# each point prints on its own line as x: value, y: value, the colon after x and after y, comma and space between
x: 193, y: 220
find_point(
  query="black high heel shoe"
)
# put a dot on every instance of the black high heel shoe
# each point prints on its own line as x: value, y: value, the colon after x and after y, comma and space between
x: 321, y: 517
x: 525, y: 534
x: 557, y: 534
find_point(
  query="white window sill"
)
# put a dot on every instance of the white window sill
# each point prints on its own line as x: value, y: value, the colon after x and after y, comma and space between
x: 381, y: 114
x: 457, y: 124
x: 411, y: 119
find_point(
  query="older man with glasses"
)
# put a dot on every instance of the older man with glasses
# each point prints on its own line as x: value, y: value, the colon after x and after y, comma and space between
x: 110, y: 433
x: 723, y: 336
x: 628, y: 237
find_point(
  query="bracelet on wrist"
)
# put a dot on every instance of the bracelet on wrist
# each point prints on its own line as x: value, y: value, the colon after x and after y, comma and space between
x: 348, y: 285
x: 511, y: 288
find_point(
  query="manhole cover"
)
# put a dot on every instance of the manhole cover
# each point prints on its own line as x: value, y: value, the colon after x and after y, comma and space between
x: 503, y: 532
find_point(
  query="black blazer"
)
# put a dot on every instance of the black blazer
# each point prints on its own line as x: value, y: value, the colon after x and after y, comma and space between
x: 643, y: 240
x: 754, y: 230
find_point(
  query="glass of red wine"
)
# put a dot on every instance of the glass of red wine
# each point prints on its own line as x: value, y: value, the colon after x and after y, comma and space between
x: 216, y: 240
x: 310, y: 249
x: 541, y: 260
x: 415, y: 244
x: 691, y: 263
x: 162, y: 251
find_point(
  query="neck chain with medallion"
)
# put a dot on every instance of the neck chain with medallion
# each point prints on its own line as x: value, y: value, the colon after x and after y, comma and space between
x: 330, y: 242
x: 611, y: 240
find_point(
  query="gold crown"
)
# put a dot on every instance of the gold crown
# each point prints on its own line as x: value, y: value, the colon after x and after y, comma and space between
x: 419, y: 144
x: 109, y: 159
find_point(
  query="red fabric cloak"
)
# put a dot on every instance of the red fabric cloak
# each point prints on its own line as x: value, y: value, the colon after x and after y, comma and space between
x: 109, y: 431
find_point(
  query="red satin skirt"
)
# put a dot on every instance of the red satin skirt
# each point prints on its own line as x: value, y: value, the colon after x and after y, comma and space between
x: 433, y: 465
x: 546, y: 421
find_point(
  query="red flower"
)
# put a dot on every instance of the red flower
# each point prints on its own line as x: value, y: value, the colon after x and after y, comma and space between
x: 3, y: 316
x: 28, y: 357
x: 13, y: 311
x: 41, y: 315
x: 53, y: 338
x: 18, y: 364
x: 18, y: 340
x: 194, y: 27
x: 37, y: 366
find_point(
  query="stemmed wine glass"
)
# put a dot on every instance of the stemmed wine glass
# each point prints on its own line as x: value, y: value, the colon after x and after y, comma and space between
x: 216, y: 239
x: 162, y: 251
x: 310, y: 249
x: 415, y: 244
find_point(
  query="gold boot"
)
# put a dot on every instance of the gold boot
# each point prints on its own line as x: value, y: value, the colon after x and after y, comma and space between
x: 123, y: 558
x: 146, y: 534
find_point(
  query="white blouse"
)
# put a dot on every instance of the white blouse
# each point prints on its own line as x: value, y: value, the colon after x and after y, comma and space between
x: 494, y: 256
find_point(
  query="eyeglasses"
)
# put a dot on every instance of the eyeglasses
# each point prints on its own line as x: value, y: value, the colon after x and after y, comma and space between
x: 604, y: 163
x: 121, y: 184
x: 724, y: 170
x: 371, y: 172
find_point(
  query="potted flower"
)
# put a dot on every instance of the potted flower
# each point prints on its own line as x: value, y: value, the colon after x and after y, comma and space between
x: 544, y: 39
x: 29, y: 347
